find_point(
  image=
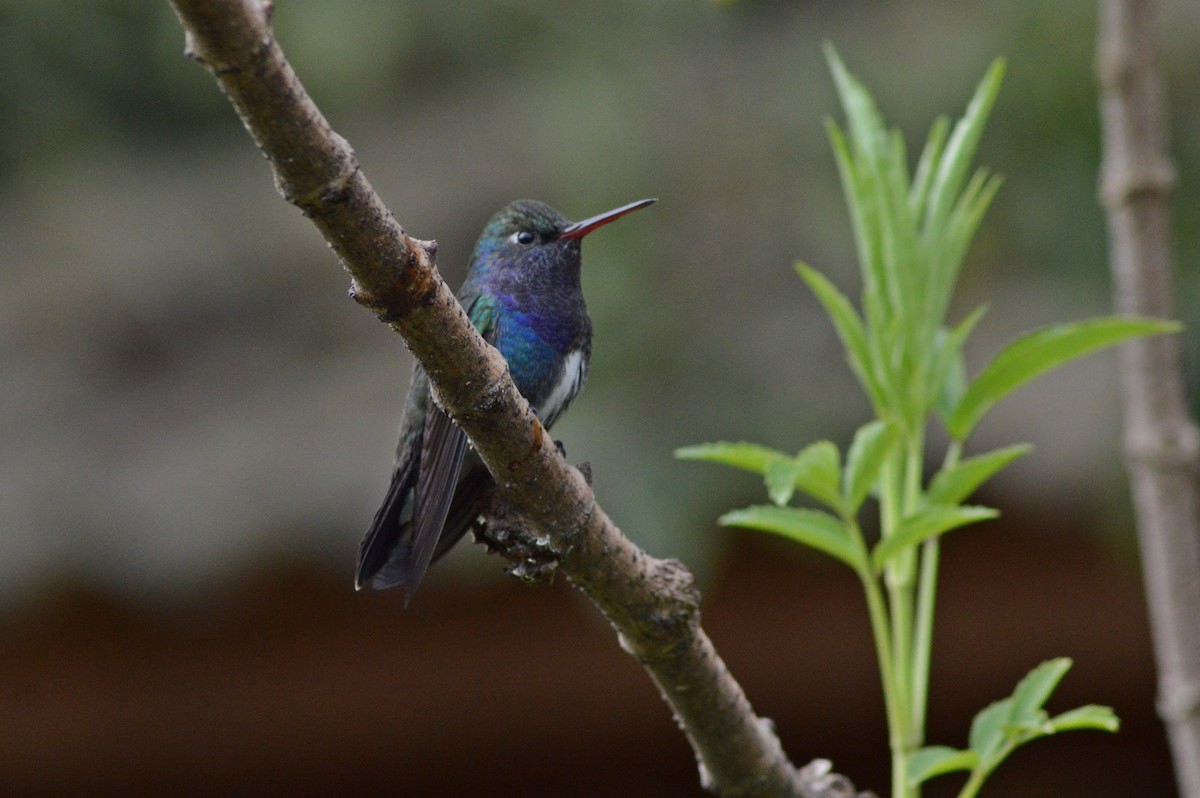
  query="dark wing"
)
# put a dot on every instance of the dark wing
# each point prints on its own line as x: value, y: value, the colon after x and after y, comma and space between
x: 441, y: 459
x: 384, y: 552
x: 398, y: 549
x: 382, y: 542
x: 473, y: 485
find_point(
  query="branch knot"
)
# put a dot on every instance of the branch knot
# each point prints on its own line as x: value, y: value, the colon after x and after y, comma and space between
x: 533, y: 557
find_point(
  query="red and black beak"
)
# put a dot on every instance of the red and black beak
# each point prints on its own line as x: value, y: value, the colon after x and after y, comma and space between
x: 580, y: 229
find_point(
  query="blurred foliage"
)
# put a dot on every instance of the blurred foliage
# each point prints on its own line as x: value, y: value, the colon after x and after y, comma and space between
x: 125, y: 176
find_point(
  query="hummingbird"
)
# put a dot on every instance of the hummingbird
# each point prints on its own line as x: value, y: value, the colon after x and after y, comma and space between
x: 523, y: 294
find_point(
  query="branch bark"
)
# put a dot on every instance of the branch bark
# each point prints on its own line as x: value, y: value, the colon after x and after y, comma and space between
x: 1162, y: 445
x: 653, y: 604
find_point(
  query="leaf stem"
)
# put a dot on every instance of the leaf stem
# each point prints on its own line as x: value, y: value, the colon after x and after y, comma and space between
x: 922, y: 651
x: 974, y: 783
x: 926, y: 604
x: 880, y: 631
x: 898, y: 579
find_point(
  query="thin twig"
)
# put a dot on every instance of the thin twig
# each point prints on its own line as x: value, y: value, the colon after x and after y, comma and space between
x: 653, y: 604
x: 1162, y: 445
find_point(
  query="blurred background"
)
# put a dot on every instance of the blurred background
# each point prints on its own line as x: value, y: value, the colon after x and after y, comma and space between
x: 196, y: 423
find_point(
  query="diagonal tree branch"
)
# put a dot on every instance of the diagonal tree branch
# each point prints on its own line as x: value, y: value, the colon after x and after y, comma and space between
x: 1162, y: 445
x: 653, y: 604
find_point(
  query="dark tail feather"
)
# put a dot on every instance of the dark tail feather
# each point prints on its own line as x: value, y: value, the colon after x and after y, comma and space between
x: 384, y: 552
x: 467, y: 497
x: 442, y: 450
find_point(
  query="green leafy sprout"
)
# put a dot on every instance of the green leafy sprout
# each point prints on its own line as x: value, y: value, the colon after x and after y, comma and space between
x: 911, y: 234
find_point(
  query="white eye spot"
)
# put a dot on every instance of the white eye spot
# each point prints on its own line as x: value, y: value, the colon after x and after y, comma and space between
x: 524, y: 237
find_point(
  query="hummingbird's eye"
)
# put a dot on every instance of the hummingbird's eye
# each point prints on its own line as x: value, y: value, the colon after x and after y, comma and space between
x: 523, y: 237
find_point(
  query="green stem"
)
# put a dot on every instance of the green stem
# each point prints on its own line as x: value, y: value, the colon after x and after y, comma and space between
x: 923, y: 636
x: 923, y: 633
x: 891, y: 685
x: 974, y: 784
x: 897, y: 635
x: 913, y: 471
x: 898, y: 578
x: 900, y: 604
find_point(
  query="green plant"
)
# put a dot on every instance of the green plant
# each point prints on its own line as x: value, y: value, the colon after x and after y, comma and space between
x: 911, y: 235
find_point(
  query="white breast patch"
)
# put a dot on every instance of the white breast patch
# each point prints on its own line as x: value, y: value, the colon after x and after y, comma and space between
x: 569, y: 384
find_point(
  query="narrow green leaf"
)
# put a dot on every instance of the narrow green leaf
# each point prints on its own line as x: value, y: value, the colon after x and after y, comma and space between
x: 899, y: 232
x: 953, y: 485
x: 872, y: 445
x: 813, y: 528
x: 960, y: 228
x: 1039, y: 352
x: 988, y: 733
x: 927, y: 167
x: 938, y: 760
x: 927, y: 523
x: 949, y: 373
x: 816, y: 471
x: 1003, y: 726
x: 960, y: 151
x: 1091, y: 716
x: 866, y: 123
x: 1031, y: 692
x: 747, y: 456
x: 852, y: 189
x: 946, y: 253
x: 967, y: 325
x: 951, y: 376
x: 850, y: 330
x: 781, y: 481
x: 861, y: 157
